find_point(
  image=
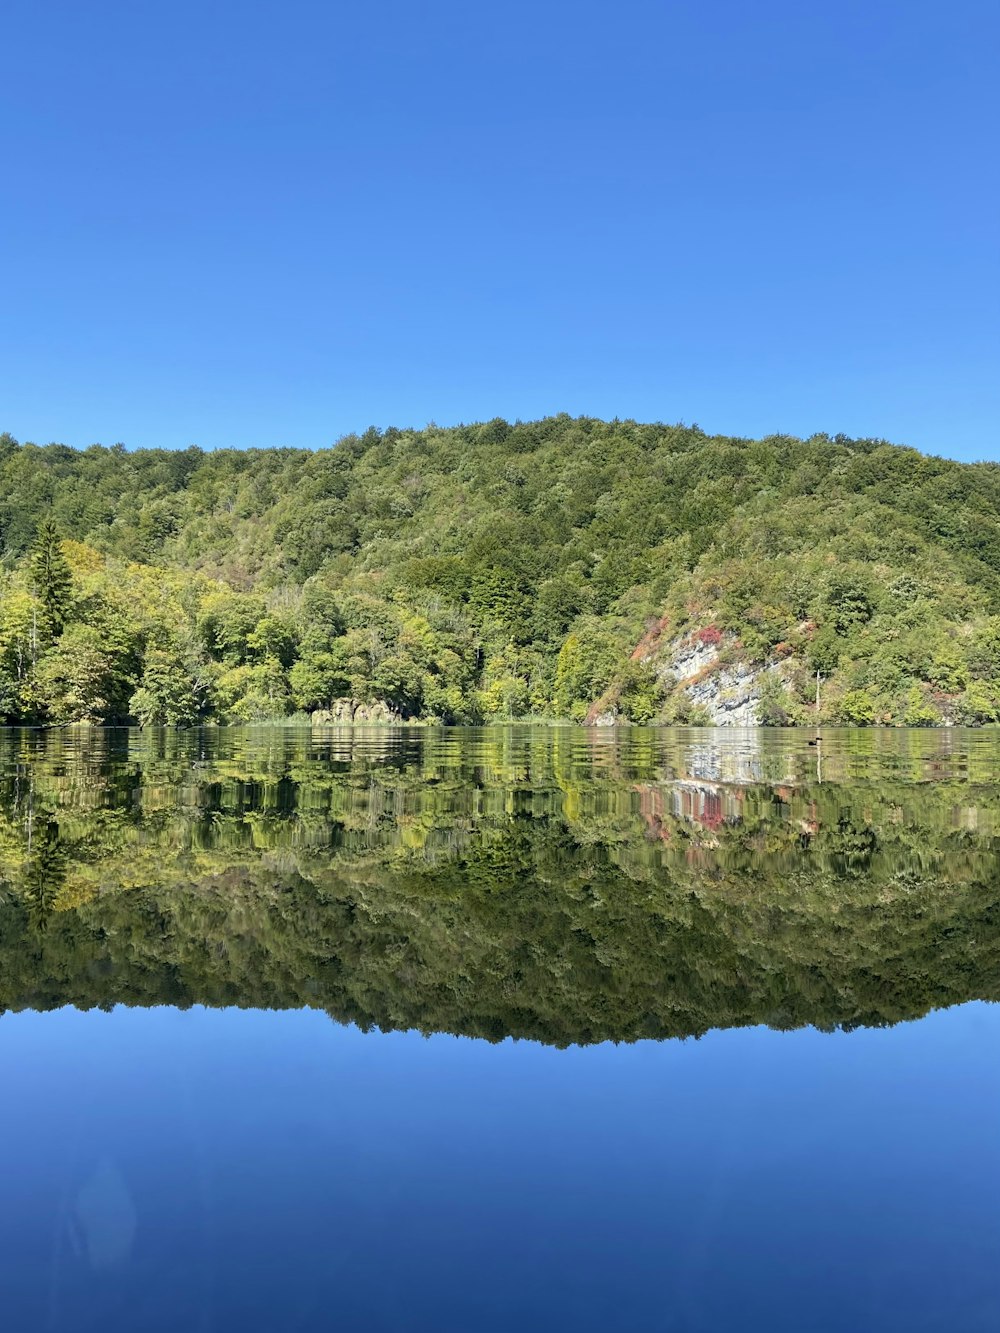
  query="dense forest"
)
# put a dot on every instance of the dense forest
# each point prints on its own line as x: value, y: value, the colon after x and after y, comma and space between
x: 519, y: 884
x: 496, y: 571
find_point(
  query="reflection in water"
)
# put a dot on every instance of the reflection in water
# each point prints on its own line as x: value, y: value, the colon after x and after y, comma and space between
x: 566, y: 885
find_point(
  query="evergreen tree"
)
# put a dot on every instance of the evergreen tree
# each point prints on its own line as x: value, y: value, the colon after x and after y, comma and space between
x: 51, y: 576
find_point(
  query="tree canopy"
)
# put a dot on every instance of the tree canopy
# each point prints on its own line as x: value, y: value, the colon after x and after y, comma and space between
x: 493, y: 571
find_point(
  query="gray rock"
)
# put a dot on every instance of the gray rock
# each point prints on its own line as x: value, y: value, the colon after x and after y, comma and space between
x: 354, y: 713
x: 606, y: 719
x: 730, y: 694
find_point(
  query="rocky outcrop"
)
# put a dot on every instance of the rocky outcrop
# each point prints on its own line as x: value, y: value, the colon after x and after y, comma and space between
x: 728, y: 692
x: 353, y: 713
x: 690, y: 657
x: 604, y: 718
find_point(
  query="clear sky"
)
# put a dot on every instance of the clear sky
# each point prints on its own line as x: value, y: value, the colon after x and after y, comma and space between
x: 271, y: 223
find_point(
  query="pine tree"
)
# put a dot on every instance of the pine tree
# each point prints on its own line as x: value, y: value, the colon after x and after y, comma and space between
x: 51, y: 576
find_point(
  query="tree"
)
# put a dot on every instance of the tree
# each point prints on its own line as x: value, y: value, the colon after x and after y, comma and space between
x: 175, y: 689
x: 254, y: 693
x: 977, y: 705
x: 641, y: 697
x: 506, y: 685
x: 51, y: 577
x: 318, y: 678
x: 857, y: 708
x: 587, y: 662
x: 918, y: 711
x: 76, y: 680
x: 272, y: 636
x: 18, y: 626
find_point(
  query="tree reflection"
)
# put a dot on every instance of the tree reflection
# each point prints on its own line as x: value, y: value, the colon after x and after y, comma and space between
x: 44, y: 871
x: 539, y: 884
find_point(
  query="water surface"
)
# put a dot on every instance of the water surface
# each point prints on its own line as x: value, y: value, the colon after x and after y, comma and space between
x: 680, y: 1030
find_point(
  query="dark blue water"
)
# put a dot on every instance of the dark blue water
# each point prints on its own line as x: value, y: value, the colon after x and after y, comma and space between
x: 225, y: 1168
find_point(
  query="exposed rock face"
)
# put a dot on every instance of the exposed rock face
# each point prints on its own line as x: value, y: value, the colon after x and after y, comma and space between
x: 729, y: 693
x: 688, y: 657
x: 609, y: 718
x: 351, y: 712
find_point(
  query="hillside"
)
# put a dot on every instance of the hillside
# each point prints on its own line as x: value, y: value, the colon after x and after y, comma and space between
x: 565, y: 568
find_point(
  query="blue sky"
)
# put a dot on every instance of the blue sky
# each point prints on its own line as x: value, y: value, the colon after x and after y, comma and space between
x: 263, y: 223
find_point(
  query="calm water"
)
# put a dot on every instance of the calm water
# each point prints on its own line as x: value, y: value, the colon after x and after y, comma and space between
x: 500, y: 1030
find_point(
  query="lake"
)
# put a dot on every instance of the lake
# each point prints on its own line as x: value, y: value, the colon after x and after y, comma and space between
x: 496, y: 1029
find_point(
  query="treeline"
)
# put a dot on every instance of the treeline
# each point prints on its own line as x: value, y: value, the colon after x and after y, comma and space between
x: 495, y: 571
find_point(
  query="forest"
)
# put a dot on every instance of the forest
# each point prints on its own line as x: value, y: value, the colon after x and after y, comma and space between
x: 493, y: 572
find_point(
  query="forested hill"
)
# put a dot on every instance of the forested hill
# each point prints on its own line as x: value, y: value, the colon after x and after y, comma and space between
x: 494, y: 571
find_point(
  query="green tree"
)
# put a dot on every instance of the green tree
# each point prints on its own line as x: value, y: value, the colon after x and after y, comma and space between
x: 273, y: 636
x: 175, y: 689
x: 318, y: 678
x: 872, y: 565
x: 918, y: 711
x: 587, y: 663
x: 641, y: 696
x: 76, y: 677
x: 51, y: 577
x: 978, y: 705
x: 857, y: 708
x: 257, y: 693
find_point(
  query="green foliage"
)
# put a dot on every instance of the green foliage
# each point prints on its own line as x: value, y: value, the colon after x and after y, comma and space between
x: 227, y: 623
x: 978, y: 705
x: 175, y: 689
x: 50, y: 577
x: 777, y: 708
x: 847, y: 601
x: 76, y: 681
x: 919, y: 711
x: 273, y: 636
x: 587, y: 663
x: 506, y: 688
x: 984, y: 651
x: 857, y: 709
x: 493, y: 570
x: 640, y: 697
x: 18, y: 652
x: 319, y: 677
x: 253, y: 693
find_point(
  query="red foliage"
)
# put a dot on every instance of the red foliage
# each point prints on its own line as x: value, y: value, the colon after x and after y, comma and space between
x: 644, y: 648
x: 710, y: 634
